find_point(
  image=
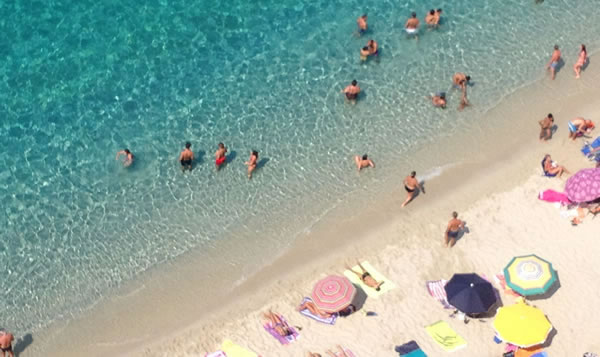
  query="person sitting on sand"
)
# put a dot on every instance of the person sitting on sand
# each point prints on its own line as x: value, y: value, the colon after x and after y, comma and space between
x: 252, y: 162
x: 366, y: 277
x: 128, y: 157
x: 220, y: 157
x: 460, y: 80
x: 579, y: 126
x: 554, y: 61
x: 412, y: 25
x: 453, y: 229
x: 411, y: 185
x: 546, y: 127
x: 278, y: 324
x: 310, y: 306
x: 551, y: 168
x: 352, y: 91
x: 362, y: 24
x: 364, y: 162
x: 430, y: 18
x: 580, y: 61
x: 438, y: 100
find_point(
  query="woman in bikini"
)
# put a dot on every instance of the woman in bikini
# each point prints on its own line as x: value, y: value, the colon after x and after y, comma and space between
x: 279, y: 326
x: 251, y: 163
x: 366, y: 278
x: 580, y: 61
x: 551, y: 169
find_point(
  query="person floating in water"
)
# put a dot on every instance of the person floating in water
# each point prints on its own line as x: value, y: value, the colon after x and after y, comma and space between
x: 412, y: 25
x: 186, y: 157
x: 411, y: 185
x: 364, y: 162
x: 554, y: 61
x: 453, y: 229
x: 251, y: 163
x: 438, y: 100
x: 362, y: 24
x: 352, y: 91
x: 220, y: 157
x: 128, y: 157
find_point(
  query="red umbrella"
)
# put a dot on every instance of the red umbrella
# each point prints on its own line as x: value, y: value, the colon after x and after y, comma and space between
x: 333, y: 293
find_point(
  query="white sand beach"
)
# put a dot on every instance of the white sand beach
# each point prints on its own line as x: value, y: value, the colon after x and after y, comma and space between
x: 495, y: 192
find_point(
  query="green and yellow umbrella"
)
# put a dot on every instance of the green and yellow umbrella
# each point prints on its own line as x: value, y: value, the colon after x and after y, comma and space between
x: 529, y: 275
x: 522, y: 325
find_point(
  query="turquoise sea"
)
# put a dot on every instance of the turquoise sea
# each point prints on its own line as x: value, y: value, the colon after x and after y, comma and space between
x: 80, y: 80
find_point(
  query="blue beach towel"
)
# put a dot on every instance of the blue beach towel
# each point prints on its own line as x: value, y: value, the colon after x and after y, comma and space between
x: 410, y: 349
x: 330, y: 320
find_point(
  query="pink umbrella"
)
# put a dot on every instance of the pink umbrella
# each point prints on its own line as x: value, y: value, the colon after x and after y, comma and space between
x: 333, y: 294
x: 584, y: 186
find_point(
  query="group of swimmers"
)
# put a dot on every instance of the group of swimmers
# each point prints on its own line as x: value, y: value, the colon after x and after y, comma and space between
x: 186, y: 158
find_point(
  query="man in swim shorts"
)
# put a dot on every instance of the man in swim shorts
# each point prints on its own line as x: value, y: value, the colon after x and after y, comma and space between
x: 453, y: 229
x: 554, y: 60
x: 363, y: 162
x: 220, y: 157
x: 460, y: 80
x: 546, y: 127
x: 362, y: 24
x: 186, y: 157
x: 352, y: 91
x: 412, y: 25
x: 6, y: 339
x: 430, y: 19
x: 578, y: 126
x: 411, y: 185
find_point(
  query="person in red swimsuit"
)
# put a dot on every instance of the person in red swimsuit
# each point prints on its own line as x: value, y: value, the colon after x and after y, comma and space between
x: 220, y: 157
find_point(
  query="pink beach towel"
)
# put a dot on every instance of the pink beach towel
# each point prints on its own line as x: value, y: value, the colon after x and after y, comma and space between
x: 436, y: 290
x: 284, y: 340
x: 554, y: 196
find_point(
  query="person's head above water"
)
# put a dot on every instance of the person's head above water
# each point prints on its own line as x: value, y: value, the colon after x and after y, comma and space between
x: 556, y: 47
x: 366, y: 48
x: 188, y: 145
x: 454, y: 214
x: 432, y: 12
x: 468, y: 78
x: 354, y: 82
x: 439, y: 11
x: 365, y: 157
x: 413, y: 174
x: 127, y: 151
x: 221, y: 146
x: 413, y: 15
x: 364, y: 16
x: 254, y: 153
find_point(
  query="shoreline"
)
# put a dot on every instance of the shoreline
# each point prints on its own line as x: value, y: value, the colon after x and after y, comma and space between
x: 503, y: 168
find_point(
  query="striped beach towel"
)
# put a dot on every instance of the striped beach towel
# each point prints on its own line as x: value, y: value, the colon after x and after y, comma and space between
x: 330, y: 320
x: 436, y: 290
x: 284, y: 340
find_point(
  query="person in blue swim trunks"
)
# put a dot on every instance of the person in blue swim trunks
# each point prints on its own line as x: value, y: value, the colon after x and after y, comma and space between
x: 578, y: 126
x: 362, y: 24
x: 554, y: 60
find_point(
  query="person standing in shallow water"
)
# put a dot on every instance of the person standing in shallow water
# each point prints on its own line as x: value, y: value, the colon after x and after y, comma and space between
x: 186, y: 157
x: 220, y: 157
x: 352, y: 91
x: 252, y: 162
x: 453, y: 229
x: 554, y: 61
x: 6, y: 340
x: 580, y: 61
x: 411, y: 185
x: 128, y: 157
x: 362, y: 24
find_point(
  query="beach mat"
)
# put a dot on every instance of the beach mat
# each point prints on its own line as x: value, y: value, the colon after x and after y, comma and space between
x: 410, y: 349
x: 445, y: 336
x: 330, y: 320
x: 233, y: 350
x: 437, y: 291
x: 372, y: 293
x: 284, y: 340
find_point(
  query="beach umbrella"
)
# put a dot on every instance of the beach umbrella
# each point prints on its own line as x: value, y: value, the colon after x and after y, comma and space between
x: 333, y: 293
x: 584, y: 186
x: 522, y: 325
x: 470, y: 293
x: 529, y: 275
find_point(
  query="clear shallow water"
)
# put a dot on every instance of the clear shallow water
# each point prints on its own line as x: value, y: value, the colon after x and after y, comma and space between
x: 81, y: 80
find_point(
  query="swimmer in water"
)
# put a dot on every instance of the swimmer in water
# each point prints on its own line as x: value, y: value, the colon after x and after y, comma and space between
x: 430, y: 18
x: 362, y: 24
x: 220, y: 157
x: 352, y: 91
x: 438, y: 100
x: 412, y: 25
x: 186, y: 157
x: 363, y: 162
x: 251, y: 163
x: 128, y: 157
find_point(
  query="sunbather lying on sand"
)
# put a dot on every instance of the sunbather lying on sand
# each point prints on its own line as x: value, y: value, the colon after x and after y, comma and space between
x: 278, y: 325
x: 314, y: 309
x: 366, y: 278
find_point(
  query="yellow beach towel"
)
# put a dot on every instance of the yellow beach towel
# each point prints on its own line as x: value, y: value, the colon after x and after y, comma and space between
x: 445, y: 336
x: 385, y: 287
x: 233, y: 350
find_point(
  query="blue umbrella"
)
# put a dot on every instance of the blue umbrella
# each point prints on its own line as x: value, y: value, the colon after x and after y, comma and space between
x: 470, y: 293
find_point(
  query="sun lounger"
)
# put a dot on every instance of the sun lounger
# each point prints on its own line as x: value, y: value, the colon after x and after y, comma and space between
x: 372, y: 293
x: 410, y: 349
x: 499, y: 278
x: 284, y: 340
x: 330, y: 320
x: 436, y: 290
x: 445, y: 336
x: 233, y: 350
